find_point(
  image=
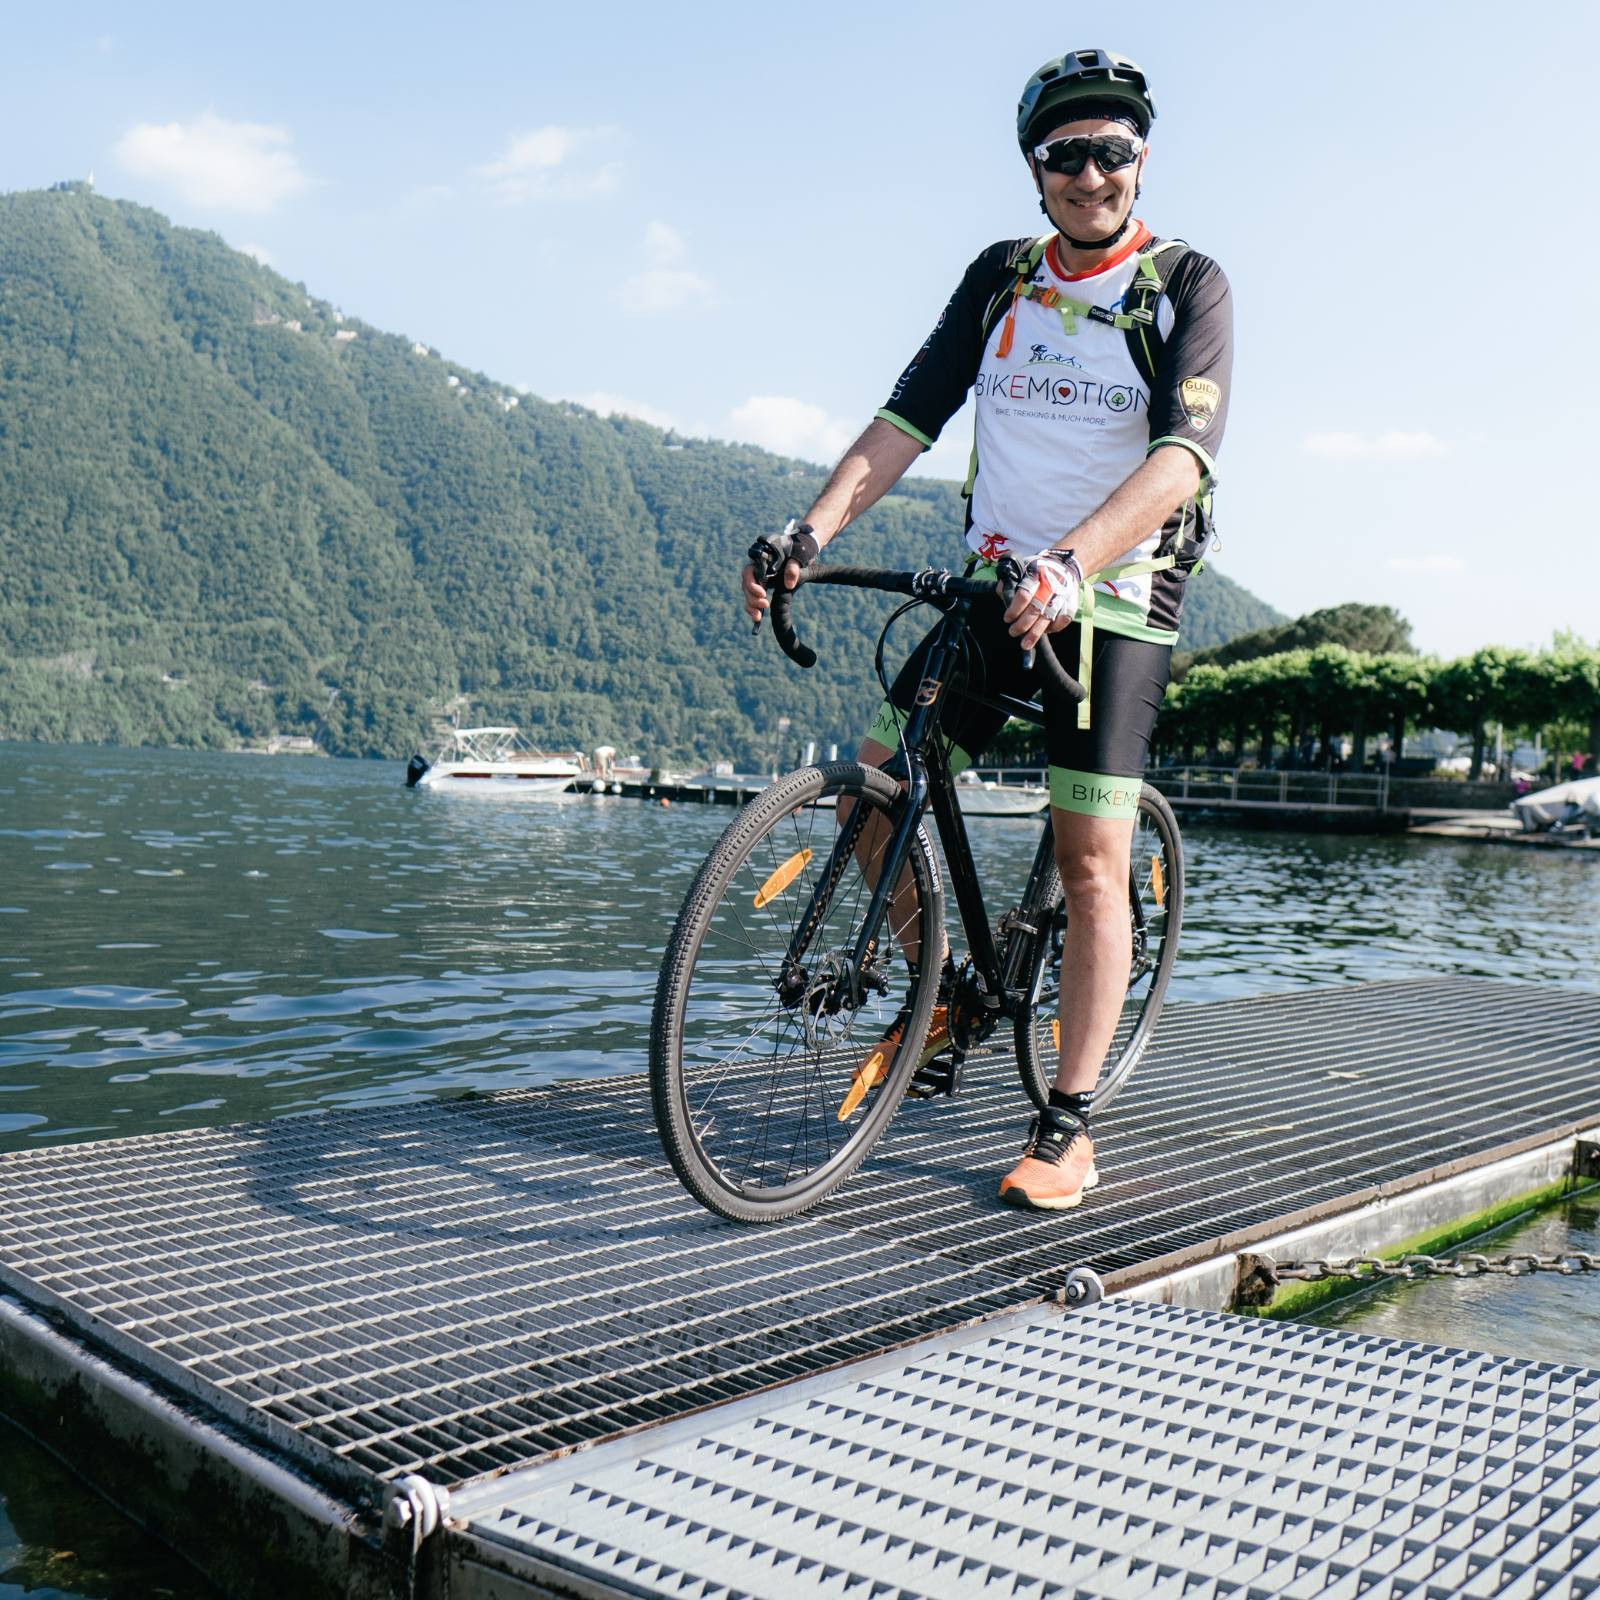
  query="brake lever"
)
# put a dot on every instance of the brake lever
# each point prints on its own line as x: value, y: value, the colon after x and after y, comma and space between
x: 1009, y: 571
x: 767, y: 561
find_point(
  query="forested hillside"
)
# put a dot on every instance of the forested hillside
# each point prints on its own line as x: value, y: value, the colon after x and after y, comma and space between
x: 227, y: 512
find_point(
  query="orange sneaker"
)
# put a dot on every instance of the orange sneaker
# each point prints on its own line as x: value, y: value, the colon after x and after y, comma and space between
x: 874, y: 1067
x: 1055, y: 1169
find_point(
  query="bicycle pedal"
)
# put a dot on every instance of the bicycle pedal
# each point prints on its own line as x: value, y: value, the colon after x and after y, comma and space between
x: 940, y: 1077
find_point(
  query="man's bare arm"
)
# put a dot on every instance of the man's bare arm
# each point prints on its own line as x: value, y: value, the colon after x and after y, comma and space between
x: 1140, y: 503
x: 869, y: 469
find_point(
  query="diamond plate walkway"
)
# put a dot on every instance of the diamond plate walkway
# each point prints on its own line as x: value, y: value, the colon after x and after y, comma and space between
x: 457, y: 1289
x: 1129, y: 1450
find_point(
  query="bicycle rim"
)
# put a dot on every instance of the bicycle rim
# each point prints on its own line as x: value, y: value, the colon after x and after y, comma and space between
x: 772, y: 1070
x: 1155, y: 913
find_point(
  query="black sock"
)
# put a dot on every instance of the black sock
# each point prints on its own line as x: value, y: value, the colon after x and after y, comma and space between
x: 1075, y: 1105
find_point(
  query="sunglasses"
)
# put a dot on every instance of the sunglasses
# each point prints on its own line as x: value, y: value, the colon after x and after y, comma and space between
x: 1111, y: 153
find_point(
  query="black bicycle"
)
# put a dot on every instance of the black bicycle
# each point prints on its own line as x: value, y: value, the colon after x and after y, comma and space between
x: 798, y: 986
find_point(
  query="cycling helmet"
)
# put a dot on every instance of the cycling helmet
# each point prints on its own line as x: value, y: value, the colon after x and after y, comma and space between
x: 1082, y: 76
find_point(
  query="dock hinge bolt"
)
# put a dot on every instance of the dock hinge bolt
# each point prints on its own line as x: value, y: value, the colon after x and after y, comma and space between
x: 1257, y: 1281
x: 1586, y: 1157
x: 412, y: 1504
x: 1082, y: 1288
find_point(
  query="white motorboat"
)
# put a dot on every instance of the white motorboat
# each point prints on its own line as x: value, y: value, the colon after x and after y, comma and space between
x: 980, y: 797
x: 494, y: 761
x: 1560, y: 806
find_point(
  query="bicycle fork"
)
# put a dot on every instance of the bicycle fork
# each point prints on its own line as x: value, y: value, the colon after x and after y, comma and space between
x: 860, y: 971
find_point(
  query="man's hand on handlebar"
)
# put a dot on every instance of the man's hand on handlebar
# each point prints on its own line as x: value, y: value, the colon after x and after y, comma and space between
x: 1045, y: 599
x: 776, y: 558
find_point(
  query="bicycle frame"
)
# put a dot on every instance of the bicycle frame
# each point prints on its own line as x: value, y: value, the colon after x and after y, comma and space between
x: 930, y: 786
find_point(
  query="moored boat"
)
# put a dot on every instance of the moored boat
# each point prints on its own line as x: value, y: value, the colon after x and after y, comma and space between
x: 1560, y: 806
x: 493, y: 761
x: 981, y: 797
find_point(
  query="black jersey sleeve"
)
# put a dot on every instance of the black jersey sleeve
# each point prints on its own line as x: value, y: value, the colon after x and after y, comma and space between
x: 1189, y: 398
x: 934, y: 384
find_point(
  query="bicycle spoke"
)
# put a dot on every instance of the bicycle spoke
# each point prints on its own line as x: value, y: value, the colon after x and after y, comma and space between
x: 770, y: 1028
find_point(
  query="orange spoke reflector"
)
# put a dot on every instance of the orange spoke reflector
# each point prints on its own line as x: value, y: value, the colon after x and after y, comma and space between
x: 782, y: 878
x: 1158, y: 882
x: 1055, y: 1034
x: 868, y: 1075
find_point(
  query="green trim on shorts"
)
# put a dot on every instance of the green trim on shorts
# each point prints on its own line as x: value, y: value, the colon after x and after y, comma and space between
x: 1113, y: 614
x: 1094, y: 794
x: 905, y: 427
x: 886, y: 728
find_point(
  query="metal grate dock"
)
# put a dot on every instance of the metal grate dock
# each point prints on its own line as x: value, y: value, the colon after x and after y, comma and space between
x: 459, y: 1288
x: 1131, y: 1450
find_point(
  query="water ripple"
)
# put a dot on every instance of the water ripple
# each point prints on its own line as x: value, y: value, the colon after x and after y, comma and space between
x: 286, y: 935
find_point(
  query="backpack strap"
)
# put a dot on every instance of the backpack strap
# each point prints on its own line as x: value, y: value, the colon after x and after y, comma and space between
x: 1156, y: 266
x: 1023, y: 264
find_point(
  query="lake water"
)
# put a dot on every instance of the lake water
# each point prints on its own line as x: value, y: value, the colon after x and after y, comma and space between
x: 189, y: 939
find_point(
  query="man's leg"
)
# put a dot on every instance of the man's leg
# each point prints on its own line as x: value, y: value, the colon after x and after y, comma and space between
x: 1092, y: 858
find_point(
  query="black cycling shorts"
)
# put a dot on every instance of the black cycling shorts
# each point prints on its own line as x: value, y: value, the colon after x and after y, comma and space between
x: 1089, y: 767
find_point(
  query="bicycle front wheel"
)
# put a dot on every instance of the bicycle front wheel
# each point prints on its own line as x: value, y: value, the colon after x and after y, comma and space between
x: 778, y: 1054
x: 1155, y: 912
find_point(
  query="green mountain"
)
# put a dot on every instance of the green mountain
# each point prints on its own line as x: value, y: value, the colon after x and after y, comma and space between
x: 228, y: 512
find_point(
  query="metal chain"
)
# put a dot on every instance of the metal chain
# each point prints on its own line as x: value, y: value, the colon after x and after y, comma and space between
x: 1469, y: 1265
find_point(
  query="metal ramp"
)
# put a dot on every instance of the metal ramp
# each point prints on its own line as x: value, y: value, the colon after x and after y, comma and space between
x: 1131, y: 1450
x: 460, y: 1288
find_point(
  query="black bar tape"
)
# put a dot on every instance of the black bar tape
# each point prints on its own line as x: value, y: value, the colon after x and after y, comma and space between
x: 783, y: 629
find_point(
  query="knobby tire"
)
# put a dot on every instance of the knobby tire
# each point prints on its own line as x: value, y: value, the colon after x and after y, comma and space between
x: 747, y: 1082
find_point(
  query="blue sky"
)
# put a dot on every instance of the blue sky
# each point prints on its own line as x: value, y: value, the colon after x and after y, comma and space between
x: 742, y: 220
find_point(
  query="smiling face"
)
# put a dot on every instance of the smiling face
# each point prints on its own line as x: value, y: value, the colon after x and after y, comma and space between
x: 1093, y: 204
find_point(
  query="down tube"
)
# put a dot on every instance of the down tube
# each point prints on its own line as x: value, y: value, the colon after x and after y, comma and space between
x: 952, y: 827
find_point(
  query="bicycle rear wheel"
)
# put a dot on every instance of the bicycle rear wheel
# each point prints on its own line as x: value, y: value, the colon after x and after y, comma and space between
x: 1155, y: 909
x: 774, y: 1064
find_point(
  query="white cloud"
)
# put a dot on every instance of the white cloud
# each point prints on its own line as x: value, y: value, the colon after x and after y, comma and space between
x: 1426, y: 564
x: 237, y: 166
x: 791, y: 427
x: 668, y: 284
x: 552, y: 162
x: 1391, y: 446
x: 616, y: 405
x: 779, y: 423
x: 259, y: 251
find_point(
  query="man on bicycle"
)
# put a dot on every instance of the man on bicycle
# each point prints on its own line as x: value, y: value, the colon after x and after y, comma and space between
x: 1100, y: 357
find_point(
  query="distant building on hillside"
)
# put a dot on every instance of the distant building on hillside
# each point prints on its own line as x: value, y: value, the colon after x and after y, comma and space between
x: 419, y: 349
x: 344, y: 335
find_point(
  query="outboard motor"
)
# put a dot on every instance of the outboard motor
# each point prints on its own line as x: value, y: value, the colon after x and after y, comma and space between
x: 415, y: 767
